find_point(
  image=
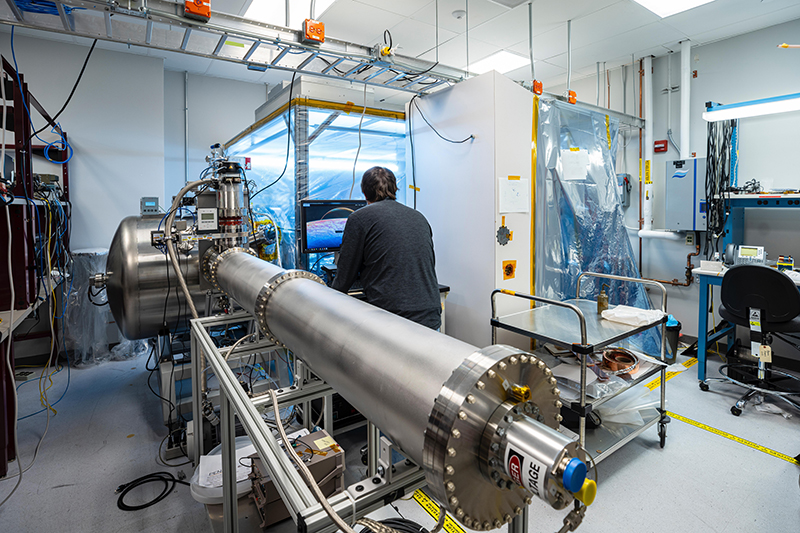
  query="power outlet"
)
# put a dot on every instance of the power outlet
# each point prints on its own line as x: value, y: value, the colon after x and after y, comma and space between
x: 690, y: 239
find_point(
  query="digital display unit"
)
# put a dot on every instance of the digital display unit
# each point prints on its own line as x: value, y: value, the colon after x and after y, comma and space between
x: 323, y: 222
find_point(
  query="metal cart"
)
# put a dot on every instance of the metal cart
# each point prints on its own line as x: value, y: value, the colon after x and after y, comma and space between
x: 575, y: 324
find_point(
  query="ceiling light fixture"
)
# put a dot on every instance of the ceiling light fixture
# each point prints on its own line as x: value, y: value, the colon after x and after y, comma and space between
x: 753, y: 108
x: 510, y: 4
x: 501, y: 61
x: 275, y: 12
x: 667, y: 8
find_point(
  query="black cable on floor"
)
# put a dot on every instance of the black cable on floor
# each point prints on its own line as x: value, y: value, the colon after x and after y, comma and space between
x: 166, y: 478
x: 403, y: 525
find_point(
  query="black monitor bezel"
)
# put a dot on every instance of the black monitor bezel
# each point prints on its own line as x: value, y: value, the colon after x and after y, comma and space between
x: 313, y: 202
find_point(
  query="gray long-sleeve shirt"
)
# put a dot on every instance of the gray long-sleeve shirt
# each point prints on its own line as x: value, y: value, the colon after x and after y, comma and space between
x: 391, y: 245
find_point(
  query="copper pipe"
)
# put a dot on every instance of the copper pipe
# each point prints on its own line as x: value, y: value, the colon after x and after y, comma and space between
x: 689, y: 267
x: 641, y: 216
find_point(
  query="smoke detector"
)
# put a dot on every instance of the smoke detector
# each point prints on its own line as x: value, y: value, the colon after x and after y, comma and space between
x: 459, y: 14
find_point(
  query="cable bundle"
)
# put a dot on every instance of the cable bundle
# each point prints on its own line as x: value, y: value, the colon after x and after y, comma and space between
x: 718, y: 180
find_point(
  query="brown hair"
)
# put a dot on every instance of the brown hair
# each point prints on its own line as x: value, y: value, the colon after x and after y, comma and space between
x: 378, y: 183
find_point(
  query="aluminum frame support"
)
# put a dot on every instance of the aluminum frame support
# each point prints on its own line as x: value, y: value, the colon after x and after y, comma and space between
x: 135, y: 24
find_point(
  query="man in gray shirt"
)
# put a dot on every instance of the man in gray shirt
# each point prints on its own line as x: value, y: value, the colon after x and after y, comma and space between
x: 391, y: 246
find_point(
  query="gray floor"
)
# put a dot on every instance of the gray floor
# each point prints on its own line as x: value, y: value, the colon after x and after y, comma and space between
x: 108, y: 428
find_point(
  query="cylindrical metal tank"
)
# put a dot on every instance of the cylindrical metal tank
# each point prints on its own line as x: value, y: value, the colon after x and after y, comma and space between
x: 142, y: 290
x: 331, y: 332
x: 439, y: 399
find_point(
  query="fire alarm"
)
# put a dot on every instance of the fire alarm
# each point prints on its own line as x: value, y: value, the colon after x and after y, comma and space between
x: 661, y: 146
x: 197, y: 10
x: 313, y: 31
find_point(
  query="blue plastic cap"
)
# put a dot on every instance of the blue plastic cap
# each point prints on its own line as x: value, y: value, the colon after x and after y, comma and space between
x: 574, y: 475
x: 671, y: 321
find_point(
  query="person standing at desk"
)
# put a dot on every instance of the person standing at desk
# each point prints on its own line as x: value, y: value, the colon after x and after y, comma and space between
x: 391, y: 245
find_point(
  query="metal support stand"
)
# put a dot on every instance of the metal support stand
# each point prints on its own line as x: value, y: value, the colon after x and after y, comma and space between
x: 519, y: 524
x: 230, y: 514
x: 373, y: 448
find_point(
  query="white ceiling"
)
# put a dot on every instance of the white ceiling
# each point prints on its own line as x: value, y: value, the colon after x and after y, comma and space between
x: 602, y: 30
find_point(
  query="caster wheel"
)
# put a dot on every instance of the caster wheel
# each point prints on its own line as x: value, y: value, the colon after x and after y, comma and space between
x: 703, y: 386
x: 662, y: 433
x: 736, y: 411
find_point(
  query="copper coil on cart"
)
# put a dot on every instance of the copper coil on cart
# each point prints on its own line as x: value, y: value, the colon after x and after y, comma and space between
x: 618, y: 361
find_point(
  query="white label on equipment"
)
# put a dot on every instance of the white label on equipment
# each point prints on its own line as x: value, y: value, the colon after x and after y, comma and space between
x: 526, y: 471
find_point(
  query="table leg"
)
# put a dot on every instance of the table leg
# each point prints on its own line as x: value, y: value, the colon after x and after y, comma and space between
x: 702, y: 329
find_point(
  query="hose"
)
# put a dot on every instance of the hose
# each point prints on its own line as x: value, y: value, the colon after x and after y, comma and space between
x: 173, y: 257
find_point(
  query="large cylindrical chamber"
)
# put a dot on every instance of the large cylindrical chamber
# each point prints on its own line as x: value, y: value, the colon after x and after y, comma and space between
x: 138, y: 279
x: 390, y: 368
x: 442, y: 401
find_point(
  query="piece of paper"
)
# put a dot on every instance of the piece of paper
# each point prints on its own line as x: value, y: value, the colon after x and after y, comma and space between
x: 573, y: 373
x: 574, y: 164
x: 514, y: 195
x: 325, y: 442
x: 210, y: 474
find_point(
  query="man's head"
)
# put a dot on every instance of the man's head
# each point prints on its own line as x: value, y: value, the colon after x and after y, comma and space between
x: 378, y: 183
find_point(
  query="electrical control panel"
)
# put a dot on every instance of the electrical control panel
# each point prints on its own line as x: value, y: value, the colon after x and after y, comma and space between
x: 685, y: 195
x: 750, y: 255
x: 207, y: 219
x: 148, y: 205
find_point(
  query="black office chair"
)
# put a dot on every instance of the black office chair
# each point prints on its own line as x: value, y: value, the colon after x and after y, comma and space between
x: 765, y: 301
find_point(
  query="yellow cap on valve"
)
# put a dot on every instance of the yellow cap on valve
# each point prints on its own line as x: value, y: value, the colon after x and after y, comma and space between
x: 587, y: 492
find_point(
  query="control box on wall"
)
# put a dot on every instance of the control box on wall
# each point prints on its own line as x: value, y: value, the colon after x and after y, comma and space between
x: 685, y: 195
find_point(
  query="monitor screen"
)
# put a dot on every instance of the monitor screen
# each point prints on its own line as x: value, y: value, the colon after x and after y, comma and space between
x: 323, y: 223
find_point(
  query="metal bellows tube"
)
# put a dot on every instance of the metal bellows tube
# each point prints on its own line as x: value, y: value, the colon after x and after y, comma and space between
x: 389, y: 368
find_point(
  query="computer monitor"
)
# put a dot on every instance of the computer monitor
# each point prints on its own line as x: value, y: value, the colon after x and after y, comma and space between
x: 323, y: 223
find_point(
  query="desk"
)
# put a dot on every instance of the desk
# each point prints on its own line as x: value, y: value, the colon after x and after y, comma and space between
x: 709, y: 278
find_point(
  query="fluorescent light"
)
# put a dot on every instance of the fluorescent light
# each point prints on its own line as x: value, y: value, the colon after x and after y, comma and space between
x: 501, y: 61
x: 754, y: 108
x: 666, y: 8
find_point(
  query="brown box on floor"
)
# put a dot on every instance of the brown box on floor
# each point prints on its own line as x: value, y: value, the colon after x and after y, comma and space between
x: 323, y: 457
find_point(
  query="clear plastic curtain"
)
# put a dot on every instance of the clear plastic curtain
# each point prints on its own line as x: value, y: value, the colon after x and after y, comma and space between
x: 580, y: 222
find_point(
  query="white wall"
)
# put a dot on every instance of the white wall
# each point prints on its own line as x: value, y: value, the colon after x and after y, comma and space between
x: 218, y: 110
x: 458, y: 184
x: 114, y: 124
x: 742, y: 68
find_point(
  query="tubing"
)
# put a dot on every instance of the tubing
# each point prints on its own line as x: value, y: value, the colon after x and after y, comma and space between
x: 173, y: 257
x: 647, y: 97
x: 686, y: 81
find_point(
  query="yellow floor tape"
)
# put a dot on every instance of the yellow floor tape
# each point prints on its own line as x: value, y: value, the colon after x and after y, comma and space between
x: 734, y: 438
x: 656, y: 383
x: 450, y: 525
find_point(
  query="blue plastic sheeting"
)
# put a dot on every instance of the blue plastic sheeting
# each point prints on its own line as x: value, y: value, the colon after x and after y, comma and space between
x: 580, y: 223
x: 331, y: 144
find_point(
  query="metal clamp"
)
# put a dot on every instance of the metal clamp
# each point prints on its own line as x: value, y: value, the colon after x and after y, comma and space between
x: 269, y: 289
x: 213, y: 258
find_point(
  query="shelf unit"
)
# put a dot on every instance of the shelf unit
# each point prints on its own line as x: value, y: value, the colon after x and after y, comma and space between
x: 575, y: 324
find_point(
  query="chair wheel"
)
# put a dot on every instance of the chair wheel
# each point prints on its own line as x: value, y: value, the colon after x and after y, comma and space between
x: 704, y: 386
x: 736, y: 411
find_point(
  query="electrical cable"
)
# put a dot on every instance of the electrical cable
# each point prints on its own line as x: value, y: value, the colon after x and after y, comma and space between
x: 56, y: 128
x: 306, y: 473
x: 72, y: 92
x: 415, y: 104
x: 237, y: 343
x: 166, y: 478
x: 13, y: 300
x: 360, y: 122
x: 288, y: 141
